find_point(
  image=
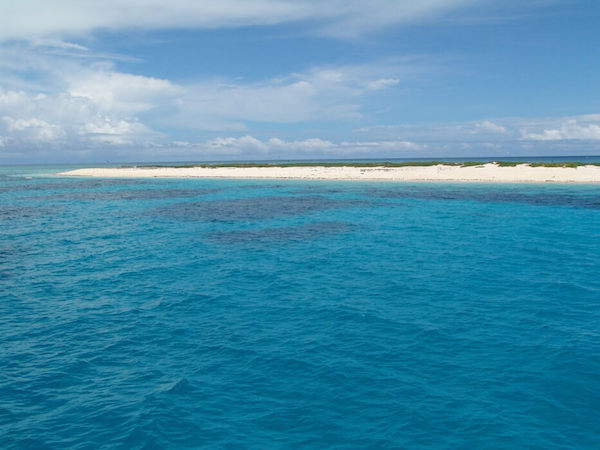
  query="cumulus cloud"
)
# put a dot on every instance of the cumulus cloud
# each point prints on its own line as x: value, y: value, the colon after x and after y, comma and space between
x: 127, y: 93
x: 571, y: 129
x: 28, y: 120
x: 34, y: 128
x: 92, y: 105
x: 325, y: 93
x: 87, y: 103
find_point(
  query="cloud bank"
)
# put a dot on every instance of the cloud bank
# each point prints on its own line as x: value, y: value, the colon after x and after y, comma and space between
x: 586, y: 128
x: 79, y: 103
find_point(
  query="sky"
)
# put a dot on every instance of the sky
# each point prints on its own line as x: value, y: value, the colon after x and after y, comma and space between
x: 151, y: 80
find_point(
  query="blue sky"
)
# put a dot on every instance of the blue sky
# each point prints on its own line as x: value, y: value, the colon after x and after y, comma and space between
x: 151, y: 80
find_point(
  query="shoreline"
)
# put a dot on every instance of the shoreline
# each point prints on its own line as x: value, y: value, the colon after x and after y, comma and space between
x: 485, y: 172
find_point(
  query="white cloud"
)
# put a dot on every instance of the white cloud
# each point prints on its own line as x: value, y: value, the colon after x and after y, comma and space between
x: 299, y: 98
x: 75, y: 104
x: 273, y: 146
x: 127, y: 93
x: 84, y: 106
x: 66, y: 121
x: 443, y: 132
x: 234, y: 145
x: 34, y: 128
x: 571, y: 129
x: 27, y: 19
x: 326, y: 93
x: 81, y: 103
x: 383, y: 145
x: 313, y: 147
x: 382, y: 83
x: 511, y: 133
x: 491, y: 127
x: 589, y: 117
x: 57, y: 43
x: 319, y: 94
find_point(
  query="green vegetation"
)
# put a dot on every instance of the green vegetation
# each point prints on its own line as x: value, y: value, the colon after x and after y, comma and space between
x: 372, y: 164
x: 509, y: 163
x: 570, y: 164
x: 566, y: 164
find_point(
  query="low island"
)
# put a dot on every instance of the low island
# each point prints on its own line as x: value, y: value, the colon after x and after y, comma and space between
x: 499, y: 172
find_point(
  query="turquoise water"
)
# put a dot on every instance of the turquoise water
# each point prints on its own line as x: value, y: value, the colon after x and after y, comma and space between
x: 269, y: 314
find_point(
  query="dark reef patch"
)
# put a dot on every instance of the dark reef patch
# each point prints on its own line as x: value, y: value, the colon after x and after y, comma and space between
x: 263, y: 186
x: 12, y: 212
x: 254, y: 208
x: 132, y: 194
x: 300, y: 233
x: 589, y: 201
x: 20, y: 184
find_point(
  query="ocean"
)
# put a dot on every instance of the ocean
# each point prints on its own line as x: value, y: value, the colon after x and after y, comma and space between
x: 164, y: 313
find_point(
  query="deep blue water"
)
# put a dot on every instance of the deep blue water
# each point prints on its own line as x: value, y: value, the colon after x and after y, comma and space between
x: 260, y: 314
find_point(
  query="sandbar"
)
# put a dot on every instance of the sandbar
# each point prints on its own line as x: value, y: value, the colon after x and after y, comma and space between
x: 485, y: 172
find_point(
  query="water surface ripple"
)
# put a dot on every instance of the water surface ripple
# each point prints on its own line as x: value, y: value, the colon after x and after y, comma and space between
x: 246, y: 314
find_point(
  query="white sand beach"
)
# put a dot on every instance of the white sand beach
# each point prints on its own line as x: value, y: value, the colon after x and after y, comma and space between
x: 489, y: 172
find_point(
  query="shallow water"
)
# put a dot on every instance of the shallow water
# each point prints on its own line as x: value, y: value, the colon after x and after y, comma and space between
x: 183, y: 313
